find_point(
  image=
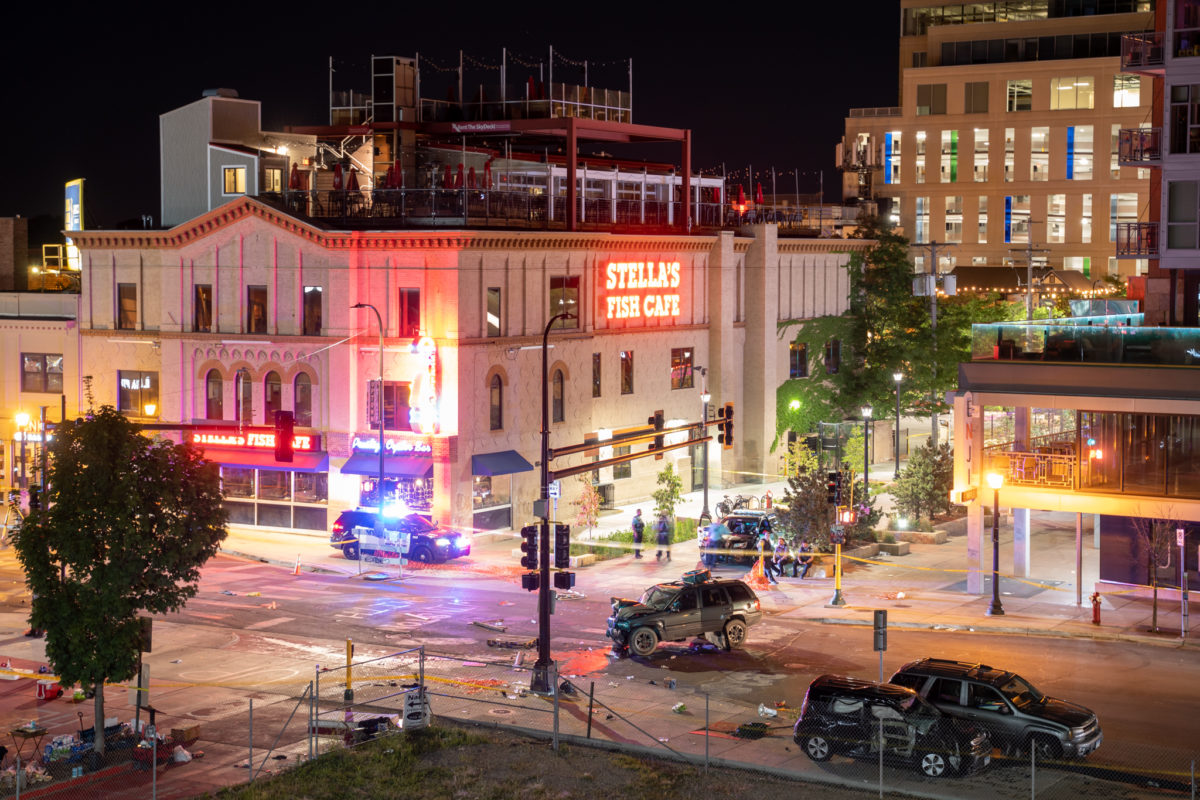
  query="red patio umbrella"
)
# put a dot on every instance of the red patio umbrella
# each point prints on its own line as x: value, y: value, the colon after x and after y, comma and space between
x: 387, y: 178
x: 741, y: 196
x: 337, y: 177
x: 352, y: 183
x: 471, y: 178
x: 758, y: 198
x: 397, y: 176
x: 458, y: 177
x: 294, y: 178
x: 487, y: 174
x: 447, y: 181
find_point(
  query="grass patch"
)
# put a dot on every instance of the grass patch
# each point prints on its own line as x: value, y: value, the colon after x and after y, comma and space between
x: 620, y: 543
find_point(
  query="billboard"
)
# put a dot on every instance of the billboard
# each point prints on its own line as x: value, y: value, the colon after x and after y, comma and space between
x: 73, y: 220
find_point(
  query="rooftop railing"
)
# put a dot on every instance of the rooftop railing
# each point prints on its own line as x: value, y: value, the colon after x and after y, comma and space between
x: 1137, y: 240
x: 1121, y: 341
x: 1143, y: 52
x: 1138, y: 147
x: 879, y: 111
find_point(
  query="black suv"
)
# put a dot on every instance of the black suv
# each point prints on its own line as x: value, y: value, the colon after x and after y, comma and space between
x: 429, y: 543
x: 1016, y: 714
x: 698, y: 605
x: 850, y: 716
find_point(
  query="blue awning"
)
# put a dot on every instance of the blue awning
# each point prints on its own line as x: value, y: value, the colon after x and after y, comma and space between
x: 505, y: 462
x: 393, y: 466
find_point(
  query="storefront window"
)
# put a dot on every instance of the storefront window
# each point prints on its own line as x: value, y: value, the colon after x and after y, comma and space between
x: 312, y: 487
x: 274, y: 484
x: 237, y: 482
x: 489, y: 491
x: 302, y: 402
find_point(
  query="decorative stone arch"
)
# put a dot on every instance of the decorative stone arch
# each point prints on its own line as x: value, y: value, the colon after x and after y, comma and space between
x: 495, y: 370
x: 295, y: 369
x: 207, y: 366
x: 566, y: 371
x: 256, y: 373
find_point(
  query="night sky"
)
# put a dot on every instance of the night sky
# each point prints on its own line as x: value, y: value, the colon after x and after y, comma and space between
x: 754, y: 84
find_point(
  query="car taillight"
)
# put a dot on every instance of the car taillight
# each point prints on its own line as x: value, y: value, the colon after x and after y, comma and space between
x: 338, y: 527
x: 756, y: 608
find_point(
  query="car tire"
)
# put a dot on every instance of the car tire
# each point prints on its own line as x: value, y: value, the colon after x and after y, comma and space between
x: 1046, y: 747
x: 735, y: 634
x: 816, y: 747
x: 422, y: 554
x: 350, y: 551
x: 933, y: 764
x: 643, y: 641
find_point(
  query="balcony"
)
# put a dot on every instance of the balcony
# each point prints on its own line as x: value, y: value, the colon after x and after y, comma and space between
x: 1139, y: 147
x: 879, y: 111
x: 1143, y: 53
x: 1102, y: 340
x: 1137, y: 240
x: 1049, y: 467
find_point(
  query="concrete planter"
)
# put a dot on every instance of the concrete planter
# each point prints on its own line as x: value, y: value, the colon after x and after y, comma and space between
x: 922, y: 537
x: 894, y: 548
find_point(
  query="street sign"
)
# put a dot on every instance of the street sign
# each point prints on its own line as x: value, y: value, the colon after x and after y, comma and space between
x: 1179, y: 534
x: 555, y: 490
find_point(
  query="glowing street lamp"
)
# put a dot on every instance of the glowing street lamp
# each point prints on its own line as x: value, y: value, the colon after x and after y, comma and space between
x: 22, y: 420
x: 866, y: 415
x: 995, y: 480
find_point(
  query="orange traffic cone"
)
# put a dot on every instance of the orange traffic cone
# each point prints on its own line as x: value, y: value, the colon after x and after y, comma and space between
x: 296, y: 569
x: 757, y: 577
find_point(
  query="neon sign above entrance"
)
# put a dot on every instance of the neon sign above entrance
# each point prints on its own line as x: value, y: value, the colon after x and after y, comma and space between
x: 641, y: 289
x: 254, y: 440
x: 394, y: 447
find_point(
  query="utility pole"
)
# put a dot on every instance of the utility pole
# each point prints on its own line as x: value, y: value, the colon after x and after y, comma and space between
x: 928, y: 284
x: 1029, y: 251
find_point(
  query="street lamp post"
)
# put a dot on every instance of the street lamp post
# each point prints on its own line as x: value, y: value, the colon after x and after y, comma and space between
x: 379, y: 409
x: 22, y: 420
x: 705, y: 397
x: 866, y: 415
x: 897, y: 377
x: 995, y: 480
x: 540, y: 680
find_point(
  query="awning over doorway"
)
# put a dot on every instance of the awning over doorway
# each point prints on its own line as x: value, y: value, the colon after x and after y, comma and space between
x: 393, y: 466
x: 504, y: 462
x: 265, y: 459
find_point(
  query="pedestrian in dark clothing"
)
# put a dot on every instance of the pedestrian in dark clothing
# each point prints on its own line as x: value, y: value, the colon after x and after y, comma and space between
x: 639, y: 527
x: 783, y: 554
x: 804, y: 557
x: 767, y: 553
x: 663, y: 531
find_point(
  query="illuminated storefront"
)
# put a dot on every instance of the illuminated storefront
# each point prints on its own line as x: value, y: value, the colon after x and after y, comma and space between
x: 407, y: 471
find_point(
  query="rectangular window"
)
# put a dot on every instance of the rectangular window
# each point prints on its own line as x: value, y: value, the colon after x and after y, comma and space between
x: 1114, y: 151
x: 931, y: 98
x: 202, y: 309
x: 564, y: 297
x: 681, y: 368
x: 624, y: 470
x: 1085, y: 221
x: 493, y: 311
x: 891, y: 157
x: 1056, y: 218
x: 312, y: 310
x: 626, y: 372
x: 137, y: 393
x: 127, y: 306
x: 949, y: 169
x: 1182, y: 215
x: 1020, y: 95
x: 256, y: 309
x: 1016, y: 219
x: 395, y: 405
x: 1122, y: 207
x: 1127, y: 91
x: 922, y: 220
x: 42, y: 372
x: 1009, y: 155
x: 833, y: 356
x: 1079, y: 152
x: 983, y: 219
x: 235, y: 180
x: 954, y: 219
x: 1073, y: 92
x: 272, y: 180
x: 920, y: 160
x: 409, y: 312
x: 1185, y: 119
x: 798, y: 360
x: 1039, y: 154
x: 981, y: 154
x: 975, y: 97
x: 596, y: 384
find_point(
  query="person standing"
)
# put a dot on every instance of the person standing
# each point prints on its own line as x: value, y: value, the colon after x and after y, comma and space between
x: 663, y: 531
x: 639, y: 527
x: 767, y: 555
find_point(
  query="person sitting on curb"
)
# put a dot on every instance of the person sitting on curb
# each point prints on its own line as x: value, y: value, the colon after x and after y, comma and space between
x: 803, y: 558
x: 783, y: 554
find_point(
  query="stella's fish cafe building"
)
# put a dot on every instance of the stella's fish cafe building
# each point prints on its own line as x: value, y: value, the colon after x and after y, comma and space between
x: 246, y: 310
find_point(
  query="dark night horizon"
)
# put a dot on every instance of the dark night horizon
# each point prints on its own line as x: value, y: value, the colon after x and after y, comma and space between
x: 768, y: 91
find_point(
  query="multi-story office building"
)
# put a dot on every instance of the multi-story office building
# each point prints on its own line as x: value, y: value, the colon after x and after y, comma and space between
x: 1168, y: 235
x: 1005, y: 135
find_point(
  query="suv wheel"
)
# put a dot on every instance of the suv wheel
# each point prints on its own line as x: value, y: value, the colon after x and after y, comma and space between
x: 735, y: 634
x: 423, y: 554
x: 350, y: 551
x: 1045, y: 747
x: 933, y: 765
x: 816, y: 747
x: 643, y: 641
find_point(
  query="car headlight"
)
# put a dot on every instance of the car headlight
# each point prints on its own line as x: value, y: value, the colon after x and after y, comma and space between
x: 442, y: 541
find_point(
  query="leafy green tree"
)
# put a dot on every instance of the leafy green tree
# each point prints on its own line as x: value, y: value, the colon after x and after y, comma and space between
x: 124, y: 528
x: 588, y: 502
x: 923, y: 488
x: 804, y: 509
x: 669, y: 494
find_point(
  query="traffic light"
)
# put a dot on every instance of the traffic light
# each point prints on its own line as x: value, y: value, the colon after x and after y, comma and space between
x: 725, y: 426
x: 832, y: 492
x: 846, y: 515
x: 880, y: 630
x: 657, y: 421
x: 562, y: 546
x: 284, y: 431
x: 529, y: 546
x: 564, y: 580
x: 531, y: 581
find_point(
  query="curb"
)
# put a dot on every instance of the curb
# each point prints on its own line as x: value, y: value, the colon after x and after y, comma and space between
x: 1002, y: 629
x: 275, y: 562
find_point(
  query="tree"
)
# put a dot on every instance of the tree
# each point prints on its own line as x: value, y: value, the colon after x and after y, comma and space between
x: 804, y: 509
x: 923, y: 487
x: 124, y: 528
x: 670, y: 493
x: 1156, y: 537
x: 588, y: 502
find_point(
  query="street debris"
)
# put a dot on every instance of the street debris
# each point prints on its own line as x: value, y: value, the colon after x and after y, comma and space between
x: 513, y: 643
x: 494, y: 625
x: 231, y: 594
x: 670, y: 683
x: 679, y: 708
x: 253, y: 594
x: 751, y: 730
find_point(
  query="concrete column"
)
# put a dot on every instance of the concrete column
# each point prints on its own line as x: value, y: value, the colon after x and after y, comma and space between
x: 760, y: 365
x: 969, y: 468
x: 1021, y: 515
x: 724, y: 350
x: 974, y: 543
x: 1096, y: 531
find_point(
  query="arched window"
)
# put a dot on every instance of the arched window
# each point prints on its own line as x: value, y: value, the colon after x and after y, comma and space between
x: 496, y: 403
x: 243, y: 393
x: 214, y: 395
x: 557, y: 414
x: 303, y: 400
x: 272, y: 397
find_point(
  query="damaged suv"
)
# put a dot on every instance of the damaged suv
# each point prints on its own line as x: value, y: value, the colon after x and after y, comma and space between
x: 697, y: 606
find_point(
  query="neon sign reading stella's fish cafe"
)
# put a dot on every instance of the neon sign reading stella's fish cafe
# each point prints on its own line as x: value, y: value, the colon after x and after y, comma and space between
x: 632, y: 289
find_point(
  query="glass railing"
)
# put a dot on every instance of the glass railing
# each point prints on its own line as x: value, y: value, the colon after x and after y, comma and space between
x: 1139, y: 146
x: 1107, y: 340
x: 1142, y: 52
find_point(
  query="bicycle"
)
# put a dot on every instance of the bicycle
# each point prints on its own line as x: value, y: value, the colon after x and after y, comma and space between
x: 728, y: 506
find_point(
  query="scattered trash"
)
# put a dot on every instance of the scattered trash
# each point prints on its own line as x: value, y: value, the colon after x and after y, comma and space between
x: 751, y: 730
x: 899, y: 595
x: 628, y: 677
x: 653, y: 683
x: 494, y: 625
x: 231, y: 594
x: 608, y: 716
x: 253, y: 594
x: 472, y: 664
x: 613, y: 683
x: 763, y: 711
x: 781, y: 704
x: 271, y: 606
x: 518, y: 659
x: 679, y: 708
x: 566, y: 688
x: 197, y: 754
x: 177, y: 661
x: 506, y: 603
x: 513, y: 644
x: 663, y: 739
x: 674, y: 657
x: 670, y: 683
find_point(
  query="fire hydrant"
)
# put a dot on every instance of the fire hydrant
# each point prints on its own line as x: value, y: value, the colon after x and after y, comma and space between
x: 1095, y: 608
x: 768, y: 498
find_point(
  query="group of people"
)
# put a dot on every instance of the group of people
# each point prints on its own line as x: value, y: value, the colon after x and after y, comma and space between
x: 774, y: 550
x: 662, y: 532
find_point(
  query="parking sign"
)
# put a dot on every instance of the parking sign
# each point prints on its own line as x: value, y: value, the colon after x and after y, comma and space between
x: 555, y: 490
